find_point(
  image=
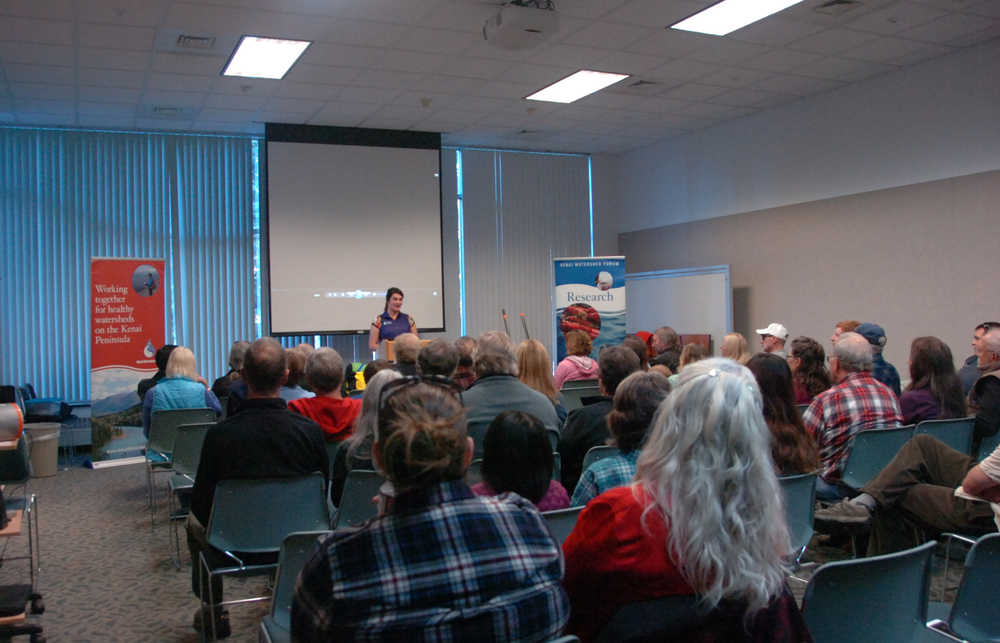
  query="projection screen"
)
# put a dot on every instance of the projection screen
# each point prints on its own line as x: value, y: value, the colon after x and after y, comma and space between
x: 350, y: 213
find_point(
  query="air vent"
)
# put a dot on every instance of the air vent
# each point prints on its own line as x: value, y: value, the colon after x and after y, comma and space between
x: 637, y: 86
x: 165, y: 111
x: 201, y: 43
x: 837, y: 7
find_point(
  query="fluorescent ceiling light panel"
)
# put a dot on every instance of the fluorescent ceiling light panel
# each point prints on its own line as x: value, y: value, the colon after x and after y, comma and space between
x: 257, y: 57
x: 730, y: 15
x: 576, y: 86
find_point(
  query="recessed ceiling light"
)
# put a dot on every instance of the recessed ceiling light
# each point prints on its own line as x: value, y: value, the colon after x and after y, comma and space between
x: 257, y: 57
x: 730, y: 15
x: 576, y: 86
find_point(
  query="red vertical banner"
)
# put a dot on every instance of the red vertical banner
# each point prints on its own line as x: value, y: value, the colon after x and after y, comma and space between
x: 127, y: 327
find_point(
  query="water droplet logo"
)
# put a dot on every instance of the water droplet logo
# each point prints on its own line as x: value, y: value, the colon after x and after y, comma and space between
x: 150, y: 350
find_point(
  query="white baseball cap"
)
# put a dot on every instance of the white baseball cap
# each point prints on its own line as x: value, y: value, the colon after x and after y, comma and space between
x: 775, y: 329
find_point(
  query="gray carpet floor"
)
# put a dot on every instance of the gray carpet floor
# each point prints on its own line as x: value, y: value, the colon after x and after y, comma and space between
x: 107, y: 575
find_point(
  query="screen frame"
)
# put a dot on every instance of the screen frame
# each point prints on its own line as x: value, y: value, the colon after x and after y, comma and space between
x: 360, y: 136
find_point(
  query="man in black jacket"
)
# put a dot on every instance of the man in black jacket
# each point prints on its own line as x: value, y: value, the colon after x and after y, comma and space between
x: 587, y: 427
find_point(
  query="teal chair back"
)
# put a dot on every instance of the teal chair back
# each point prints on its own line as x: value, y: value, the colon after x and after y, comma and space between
x: 553, y: 439
x: 574, y: 392
x: 598, y: 453
x: 800, y: 500
x: 880, y: 598
x: 332, y: 449
x: 296, y: 549
x: 556, y: 466
x: 254, y: 516
x: 870, y: 451
x: 561, y: 522
x: 356, y: 506
x: 163, y: 427
x: 975, y: 615
x: 988, y: 445
x: 187, y: 447
x: 956, y: 433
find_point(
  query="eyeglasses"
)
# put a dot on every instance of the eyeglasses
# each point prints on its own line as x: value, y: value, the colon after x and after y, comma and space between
x: 403, y: 383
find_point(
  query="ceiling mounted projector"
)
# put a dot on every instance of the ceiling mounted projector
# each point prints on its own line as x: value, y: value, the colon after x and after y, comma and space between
x: 521, y: 24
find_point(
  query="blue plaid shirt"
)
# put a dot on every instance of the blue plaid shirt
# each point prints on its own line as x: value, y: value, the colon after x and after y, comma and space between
x: 886, y: 373
x: 443, y: 565
x: 606, y: 473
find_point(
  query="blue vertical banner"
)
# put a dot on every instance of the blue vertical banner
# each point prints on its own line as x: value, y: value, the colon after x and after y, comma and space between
x: 589, y: 296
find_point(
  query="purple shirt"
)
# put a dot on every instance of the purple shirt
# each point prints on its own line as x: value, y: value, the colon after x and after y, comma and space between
x: 389, y: 328
x: 555, y: 498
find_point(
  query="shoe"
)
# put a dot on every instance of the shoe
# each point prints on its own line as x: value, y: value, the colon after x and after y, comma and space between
x: 844, y: 513
x: 222, y: 628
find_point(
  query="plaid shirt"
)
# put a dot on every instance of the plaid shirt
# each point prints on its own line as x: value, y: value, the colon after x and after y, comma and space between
x: 858, y: 403
x: 443, y: 565
x: 606, y: 473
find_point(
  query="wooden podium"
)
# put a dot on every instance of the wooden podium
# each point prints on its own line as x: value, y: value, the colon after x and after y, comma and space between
x: 386, y: 348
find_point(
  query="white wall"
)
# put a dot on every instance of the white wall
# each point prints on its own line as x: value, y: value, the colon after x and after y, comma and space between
x: 935, y: 120
x: 607, y: 202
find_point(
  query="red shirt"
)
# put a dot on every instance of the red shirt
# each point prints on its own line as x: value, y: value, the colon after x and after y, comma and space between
x: 335, y: 416
x: 612, y: 560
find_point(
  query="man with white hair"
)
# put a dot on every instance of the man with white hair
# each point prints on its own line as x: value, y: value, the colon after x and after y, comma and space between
x: 497, y: 389
x: 857, y: 402
x: 917, y: 488
x: 773, y: 338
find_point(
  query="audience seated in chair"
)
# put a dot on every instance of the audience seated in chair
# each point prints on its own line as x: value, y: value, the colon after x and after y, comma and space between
x: 807, y: 360
x: 161, y: 357
x: 517, y: 457
x: 329, y: 408
x: 264, y: 440
x: 578, y: 364
x: 438, y: 357
x: 180, y: 388
x: 534, y: 368
x: 666, y: 345
x: 857, y: 402
x: 291, y: 389
x: 635, y: 402
x: 882, y: 370
x: 407, y: 349
x: 465, y: 374
x: 236, y: 354
x: 587, y: 427
x: 934, y: 391
x: 704, y: 517
x: 465, y: 567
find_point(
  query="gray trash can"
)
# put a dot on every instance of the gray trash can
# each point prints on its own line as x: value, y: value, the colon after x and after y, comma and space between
x: 43, y: 437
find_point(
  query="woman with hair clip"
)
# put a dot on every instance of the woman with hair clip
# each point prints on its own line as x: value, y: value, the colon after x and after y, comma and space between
x: 703, y: 519
x: 439, y: 563
x: 935, y: 392
x: 792, y: 448
x: 392, y: 322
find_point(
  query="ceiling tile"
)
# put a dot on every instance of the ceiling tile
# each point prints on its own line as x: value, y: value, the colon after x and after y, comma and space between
x: 404, y: 13
x: 364, y: 33
x: 41, y: 119
x: 437, y: 83
x: 623, y: 62
x: 461, y: 16
x: 568, y: 56
x: 341, y: 111
x: 480, y: 104
x: 323, y: 74
x: 45, y: 9
x: 140, y: 13
x: 671, y: 43
x: 111, y: 77
x: 225, y: 115
x: 53, y: 32
x: 172, y: 99
x: 484, y: 68
x: 179, y: 82
x: 610, y: 100
x: 682, y: 70
x: 980, y: 36
x: 747, y: 97
x: 41, y: 106
x: 353, y: 94
x: 261, y: 87
x: 37, y: 54
x: 735, y: 77
x: 114, y: 109
x: 798, y: 85
x: 727, y: 52
x: 833, y: 41
x: 694, y: 92
x: 536, y: 75
x: 231, y: 127
x: 188, y: 64
x: 109, y: 94
x: 781, y: 60
x: 19, y: 73
x: 116, y: 37
x: 885, y: 50
x: 44, y: 91
x: 308, y: 90
x: 589, y: 8
x: 989, y: 8
x: 439, y: 41
x: 655, y: 13
x: 411, y: 61
x: 775, y: 31
x: 608, y: 35
x: 390, y: 79
x: 106, y: 121
x: 843, y: 69
x: 203, y: 18
x: 293, y: 105
x: 324, y: 53
x: 895, y: 18
x: 419, y: 102
x: 234, y: 102
x: 949, y: 28
x: 162, y: 125
x: 114, y: 58
x: 293, y: 118
x: 709, y: 110
x: 660, y: 105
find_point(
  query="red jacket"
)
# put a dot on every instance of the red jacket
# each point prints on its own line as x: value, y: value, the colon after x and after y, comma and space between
x: 335, y: 416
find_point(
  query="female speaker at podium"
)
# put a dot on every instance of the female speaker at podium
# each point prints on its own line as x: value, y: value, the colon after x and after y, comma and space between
x: 391, y: 323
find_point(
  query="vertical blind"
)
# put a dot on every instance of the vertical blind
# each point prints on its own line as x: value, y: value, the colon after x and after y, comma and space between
x: 67, y: 196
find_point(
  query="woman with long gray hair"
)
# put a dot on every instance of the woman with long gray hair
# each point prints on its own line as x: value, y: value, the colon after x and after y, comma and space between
x: 703, y: 518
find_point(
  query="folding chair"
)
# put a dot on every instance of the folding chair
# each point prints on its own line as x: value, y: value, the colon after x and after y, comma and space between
x: 881, y: 598
x: 975, y: 615
x: 296, y: 549
x: 561, y: 522
x: 15, y: 472
x: 356, y: 506
x: 574, y: 392
x: 598, y: 453
x: 160, y: 445
x: 956, y: 433
x: 870, y: 451
x: 800, y: 501
x: 186, y: 455
x: 253, y: 517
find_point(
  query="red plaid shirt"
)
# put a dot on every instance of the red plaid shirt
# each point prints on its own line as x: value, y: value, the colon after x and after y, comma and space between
x: 858, y: 403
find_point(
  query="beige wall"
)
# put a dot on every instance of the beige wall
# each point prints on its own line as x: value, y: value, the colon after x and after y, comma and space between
x: 920, y: 260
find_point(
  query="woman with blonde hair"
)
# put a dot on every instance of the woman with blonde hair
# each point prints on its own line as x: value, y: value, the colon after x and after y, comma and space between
x: 734, y: 346
x: 703, y: 518
x: 535, y: 370
x: 180, y: 388
x: 462, y: 567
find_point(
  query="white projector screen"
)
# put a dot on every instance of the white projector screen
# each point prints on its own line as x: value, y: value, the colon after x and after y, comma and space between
x: 352, y: 213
